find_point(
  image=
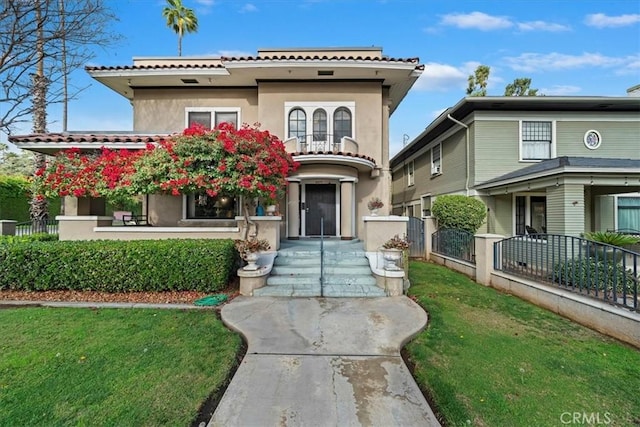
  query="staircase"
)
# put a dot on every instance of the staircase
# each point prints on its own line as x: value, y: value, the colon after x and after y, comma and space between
x: 296, y: 271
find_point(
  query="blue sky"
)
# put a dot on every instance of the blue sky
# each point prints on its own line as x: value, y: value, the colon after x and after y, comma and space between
x: 567, y: 47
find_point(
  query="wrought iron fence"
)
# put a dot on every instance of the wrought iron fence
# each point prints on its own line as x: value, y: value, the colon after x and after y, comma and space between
x: 49, y: 226
x: 598, y: 270
x: 455, y: 243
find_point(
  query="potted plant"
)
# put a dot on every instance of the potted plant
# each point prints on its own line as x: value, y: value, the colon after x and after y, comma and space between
x: 271, y: 207
x: 374, y: 204
x: 249, y: 251
x: 392, y: 251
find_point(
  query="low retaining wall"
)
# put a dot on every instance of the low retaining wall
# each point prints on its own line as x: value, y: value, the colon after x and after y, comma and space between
x: 460, y: 266
x: 600, y: 316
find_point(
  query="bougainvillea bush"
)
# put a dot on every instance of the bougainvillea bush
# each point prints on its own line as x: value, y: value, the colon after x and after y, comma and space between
x: 246, y: 162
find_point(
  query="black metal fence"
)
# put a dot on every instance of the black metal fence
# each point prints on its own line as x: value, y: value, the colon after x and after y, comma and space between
x: 598, y: 270
x: 459, y: 244
x: 33, y: 227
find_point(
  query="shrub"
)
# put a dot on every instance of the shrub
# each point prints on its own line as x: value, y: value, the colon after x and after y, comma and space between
x: 15, y: 192
x: 461, y: 212
x: 586, y: 273
x: 38, y: 237
x: 118, y: 266
x: 612, y: 238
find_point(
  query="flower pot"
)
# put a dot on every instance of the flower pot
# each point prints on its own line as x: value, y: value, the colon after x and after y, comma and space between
x: 391, y: 258
x: 373, y: 212
x: 251, y: 258
x: 271, y: 210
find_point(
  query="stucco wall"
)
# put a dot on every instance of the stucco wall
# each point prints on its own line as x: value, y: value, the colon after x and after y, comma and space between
x: 164, y: 110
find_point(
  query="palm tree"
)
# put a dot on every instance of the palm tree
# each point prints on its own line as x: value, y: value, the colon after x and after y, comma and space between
x: 181, y: 19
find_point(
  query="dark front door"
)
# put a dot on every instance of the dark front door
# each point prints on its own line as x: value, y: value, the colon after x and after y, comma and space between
x: 320, y: 202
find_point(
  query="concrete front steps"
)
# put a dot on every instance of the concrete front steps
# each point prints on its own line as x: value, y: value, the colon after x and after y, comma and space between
x: 296, y: 271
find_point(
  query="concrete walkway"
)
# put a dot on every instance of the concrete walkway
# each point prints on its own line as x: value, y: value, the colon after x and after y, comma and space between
x: 323, y: 362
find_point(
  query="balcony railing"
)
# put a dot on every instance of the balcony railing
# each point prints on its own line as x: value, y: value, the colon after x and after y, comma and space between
x: 321, y: 142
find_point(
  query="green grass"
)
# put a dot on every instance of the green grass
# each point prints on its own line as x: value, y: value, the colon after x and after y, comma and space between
x: 490, y: 359
x: 110, y: 366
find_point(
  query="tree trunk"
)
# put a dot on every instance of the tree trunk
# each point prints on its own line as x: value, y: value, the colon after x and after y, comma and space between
x: 39, y: 208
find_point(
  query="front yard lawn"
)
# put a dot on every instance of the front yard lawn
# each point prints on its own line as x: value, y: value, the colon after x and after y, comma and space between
x: 110, y: 366
x: 490, y: 359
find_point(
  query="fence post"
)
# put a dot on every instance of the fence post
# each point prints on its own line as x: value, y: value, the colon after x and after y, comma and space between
x: 484, y: 256
x: 430, y: 227
x: 8, y: 227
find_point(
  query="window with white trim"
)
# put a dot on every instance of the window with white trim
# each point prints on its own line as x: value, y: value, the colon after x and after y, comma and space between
x: 425, y: 204
x: 408, y: 210
x: 211, y: 117
x: 410, y: 173
x: 321, y: 125
x: 436, y: 161
x: 536, y: 138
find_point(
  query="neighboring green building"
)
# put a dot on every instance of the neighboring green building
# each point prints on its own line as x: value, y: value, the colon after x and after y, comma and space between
x: 560, y: 165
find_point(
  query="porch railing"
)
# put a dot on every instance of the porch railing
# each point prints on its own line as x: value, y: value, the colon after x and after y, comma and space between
x: 598, y: 270
x: 459, y: 244
x: 49, y: 226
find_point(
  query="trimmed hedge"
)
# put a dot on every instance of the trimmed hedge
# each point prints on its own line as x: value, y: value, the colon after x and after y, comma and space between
x: 592, y: 275
x: 118, y: 266
x: 14, y: 199
x: 37, y: 237
x: 461, y: 212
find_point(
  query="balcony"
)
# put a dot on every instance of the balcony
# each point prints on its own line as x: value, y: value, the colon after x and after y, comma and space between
x: 329, y: 149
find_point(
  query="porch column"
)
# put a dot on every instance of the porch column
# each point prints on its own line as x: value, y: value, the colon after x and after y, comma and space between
x: 565, y: 209
x: 347, y: 208
x: 293, y: 209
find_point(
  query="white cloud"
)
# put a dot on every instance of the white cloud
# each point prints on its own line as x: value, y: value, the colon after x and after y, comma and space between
x: 206, y: 3
x: 542, y: 26
x: 560, y: 90
x: 249, y: 7
x: 444, y: 77
x: 600, y: 20
x: 531, y: 62
x: 476, y: 20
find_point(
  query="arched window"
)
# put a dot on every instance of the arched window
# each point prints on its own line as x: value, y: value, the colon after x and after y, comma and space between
x: 341, y: 124
x: 298, y: 124
x: 319, y: 125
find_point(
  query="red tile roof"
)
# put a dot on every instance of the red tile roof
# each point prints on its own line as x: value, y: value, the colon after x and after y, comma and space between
x: 72, y: 138
x: 259, y: 58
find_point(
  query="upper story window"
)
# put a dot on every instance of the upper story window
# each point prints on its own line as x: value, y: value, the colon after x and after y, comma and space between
x: 212, y: 117
x: 410, y: 173
x: 436, y: 159
x: 319, y: 125
x: 536, y: 140
x: 341, y: 124
x: 298, y: 124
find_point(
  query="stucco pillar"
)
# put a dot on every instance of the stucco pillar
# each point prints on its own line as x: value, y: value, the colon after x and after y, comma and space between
x: 484, y: 256
x: 8, y: 227
x: 347, y: 208
x: 430, y: 227
x: 293, y: 209
x: 566, y: 209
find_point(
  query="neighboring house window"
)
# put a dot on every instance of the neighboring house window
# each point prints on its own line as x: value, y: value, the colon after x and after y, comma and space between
x: 410, y: 173
x: 298, y: 124
x: 425, y: 202
x: 536, y: 140
x: 629, y: 213
x: 202, y: 206
x: 409, y: 210
x: 436, y: 164
x: 212, y: 117
x: 319, y: 125
x: 531, y: 214
x: 341, y: 124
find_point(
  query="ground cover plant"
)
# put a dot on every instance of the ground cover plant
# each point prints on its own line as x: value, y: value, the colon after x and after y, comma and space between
x: 491, y: 359
x: 110, y: 366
